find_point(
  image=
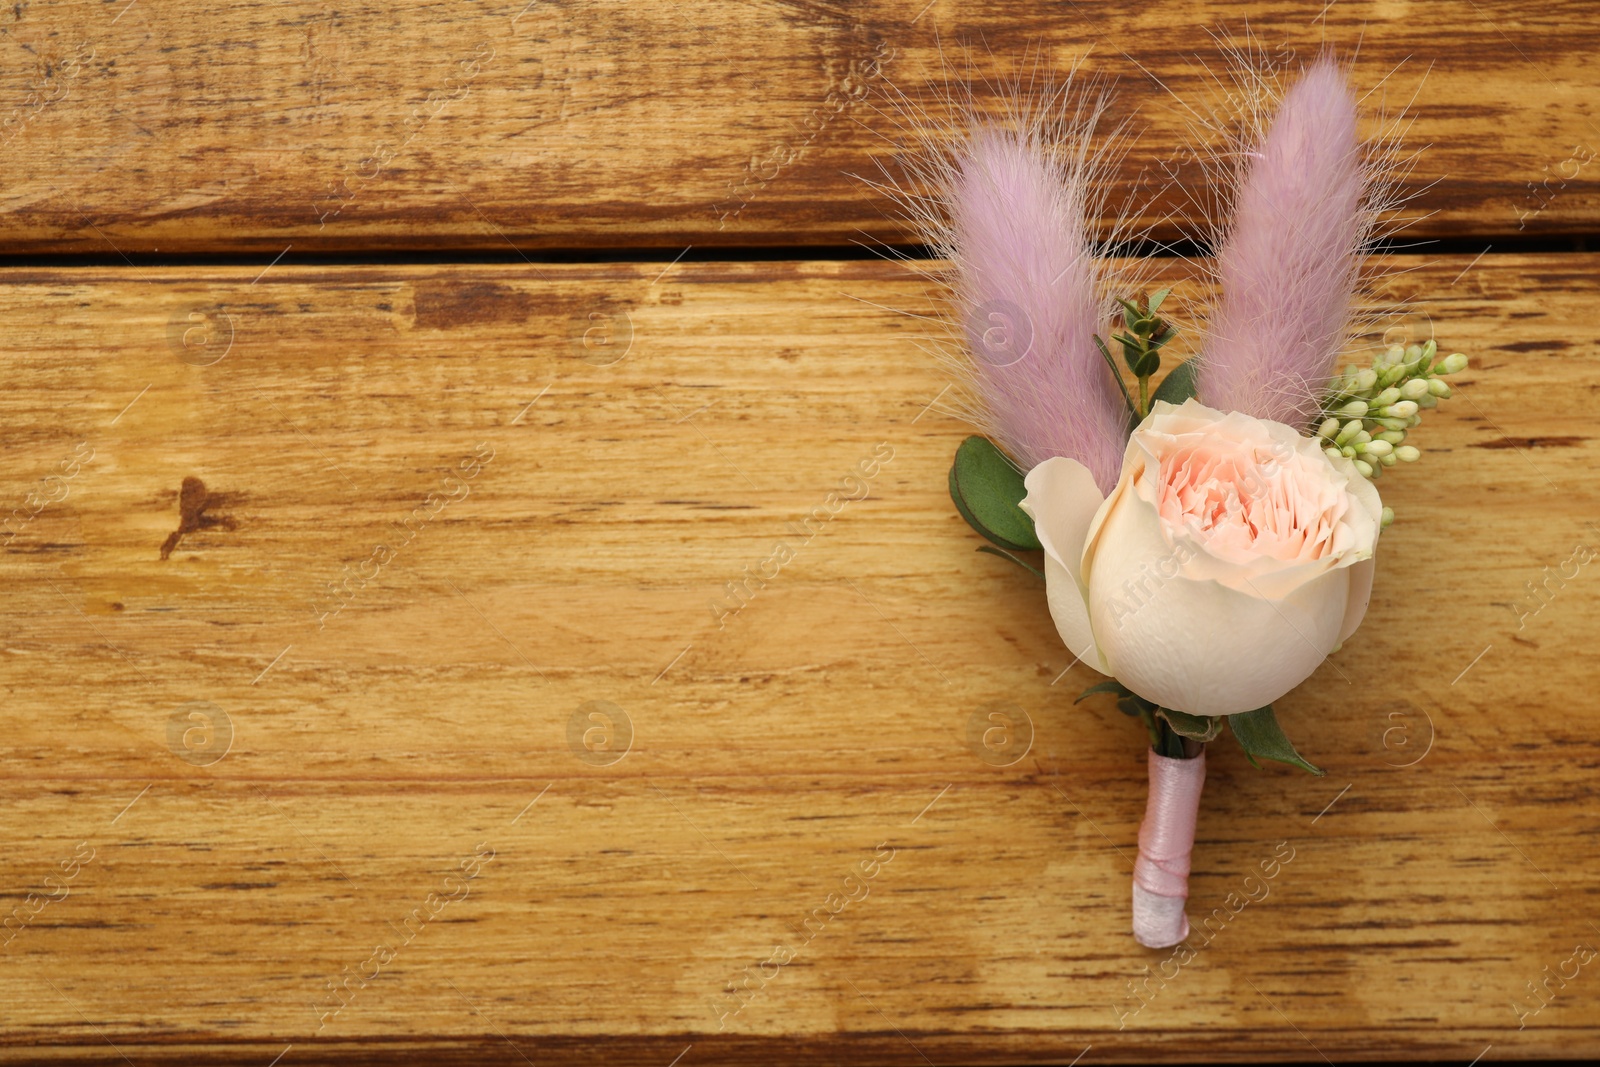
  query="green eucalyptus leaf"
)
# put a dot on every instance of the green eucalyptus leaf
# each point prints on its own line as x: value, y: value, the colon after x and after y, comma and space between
x: 1131, y: 356
x: 1177, y: 386
x: 1155, y: 300
x: 1194, y: 727
x: 1003, y: 554
x: 986, y: 490
x: 1111, y: 686
x: 1259, y: 734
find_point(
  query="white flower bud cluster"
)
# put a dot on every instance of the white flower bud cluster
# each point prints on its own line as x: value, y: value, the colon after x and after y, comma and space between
x: 1370, y: 410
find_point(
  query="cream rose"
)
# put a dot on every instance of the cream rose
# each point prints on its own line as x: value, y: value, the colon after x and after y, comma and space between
x: 1231, y: 558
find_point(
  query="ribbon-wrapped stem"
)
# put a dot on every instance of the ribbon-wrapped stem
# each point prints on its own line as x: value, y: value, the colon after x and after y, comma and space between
x: 1166, y: 839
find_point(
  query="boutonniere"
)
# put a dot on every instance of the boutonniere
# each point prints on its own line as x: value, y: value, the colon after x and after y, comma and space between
x: 1208, y: 536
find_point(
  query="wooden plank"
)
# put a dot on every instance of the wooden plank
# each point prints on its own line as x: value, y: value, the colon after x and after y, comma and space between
x: 229, y: 790
x: 138, y: 128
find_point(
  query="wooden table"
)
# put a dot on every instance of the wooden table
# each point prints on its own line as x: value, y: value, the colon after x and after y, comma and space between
x: 442, y: 731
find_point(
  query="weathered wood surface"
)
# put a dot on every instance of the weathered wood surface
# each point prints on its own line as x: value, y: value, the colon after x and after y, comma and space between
x: 224, y: 795
x: 152, y: 128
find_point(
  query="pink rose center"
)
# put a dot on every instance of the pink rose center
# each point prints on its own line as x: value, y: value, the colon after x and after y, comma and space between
x: 1242, y: 501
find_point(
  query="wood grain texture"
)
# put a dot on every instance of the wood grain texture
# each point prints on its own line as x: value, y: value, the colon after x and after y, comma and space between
x: 224, y: 796
x: 160, y: 128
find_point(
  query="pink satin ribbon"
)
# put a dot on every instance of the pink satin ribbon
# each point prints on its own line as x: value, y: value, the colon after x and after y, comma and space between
x: 1166, y: 838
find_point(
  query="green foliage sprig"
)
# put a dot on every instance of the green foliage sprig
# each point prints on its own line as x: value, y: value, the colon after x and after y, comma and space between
x: 1257, y: 732
x: 1141, y: 345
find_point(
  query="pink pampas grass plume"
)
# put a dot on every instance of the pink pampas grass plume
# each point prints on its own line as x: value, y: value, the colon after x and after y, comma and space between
x: 1004, y: 196
x: 1291, y: 261
x: 1293, y: 200
x: 1026, y: 284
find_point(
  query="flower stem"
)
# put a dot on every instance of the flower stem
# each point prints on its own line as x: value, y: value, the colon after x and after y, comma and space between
x: 1166, y: 841
x: 1141, y: 345
x: 1171, y: 744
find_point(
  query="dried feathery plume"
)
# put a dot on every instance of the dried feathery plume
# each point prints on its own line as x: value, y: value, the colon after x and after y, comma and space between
x: 1299, y: 199
x: 1006, y: 196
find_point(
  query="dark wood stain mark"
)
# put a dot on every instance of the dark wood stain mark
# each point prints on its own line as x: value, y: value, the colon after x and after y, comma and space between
x: 192, y: 503
x: 1531, y: 442
x: 1547, y: 345
x: 239, y: 885
x: 447, y: 306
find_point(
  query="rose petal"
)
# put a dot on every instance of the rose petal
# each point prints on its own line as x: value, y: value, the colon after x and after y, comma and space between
x: 1355, y: 608
x: 1063, y: 500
